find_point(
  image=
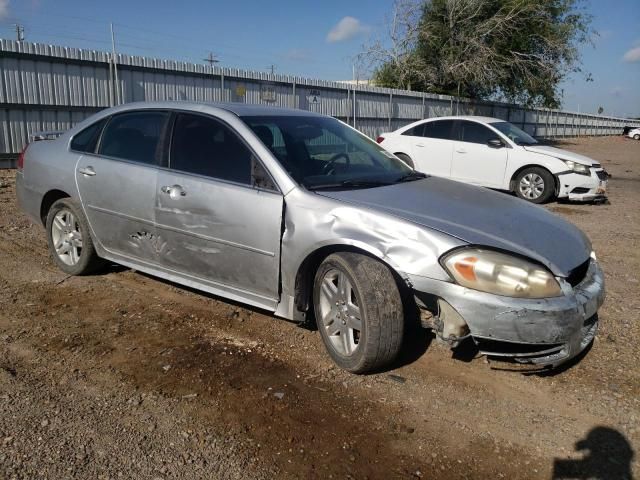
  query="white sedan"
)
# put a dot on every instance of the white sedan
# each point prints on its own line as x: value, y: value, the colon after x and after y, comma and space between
x: 493, y: 153
x: 634, y: 133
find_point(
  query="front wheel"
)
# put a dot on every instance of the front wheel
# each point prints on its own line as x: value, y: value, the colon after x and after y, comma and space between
x: 636, y: 137
x: 69, y: 240
x: 358, y: 311
x: 535, y: 184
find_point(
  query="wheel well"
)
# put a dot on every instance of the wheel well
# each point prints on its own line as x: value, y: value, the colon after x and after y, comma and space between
x: 309, y: 267
x: 512, y: 182
x: 409, y: 159
x: 49, y: 199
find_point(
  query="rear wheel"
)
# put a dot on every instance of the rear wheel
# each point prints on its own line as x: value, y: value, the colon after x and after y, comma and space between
x: 406, y: 159
x: 358, y: 311
x: 535, y: 185
x: 69, y: 240
x: 636, y: 137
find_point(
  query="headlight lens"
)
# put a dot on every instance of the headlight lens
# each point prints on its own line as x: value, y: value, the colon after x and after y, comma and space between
x: 577, y: 167
x: 501, y: 274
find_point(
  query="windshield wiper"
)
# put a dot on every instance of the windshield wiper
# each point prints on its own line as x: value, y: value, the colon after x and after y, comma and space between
x: 350, y: 184
x: 409, y: 177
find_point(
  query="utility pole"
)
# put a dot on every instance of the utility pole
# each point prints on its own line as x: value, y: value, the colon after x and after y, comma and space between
x: 211, y: 59
x: 272, y: 68
x: 19, y: 32
x: 115, y: 66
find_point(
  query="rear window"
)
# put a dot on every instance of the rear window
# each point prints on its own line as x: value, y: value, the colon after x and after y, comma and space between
x: 134, y: 136
x: 439, y: 129
x: 86, y: 140
x: 414, y: 131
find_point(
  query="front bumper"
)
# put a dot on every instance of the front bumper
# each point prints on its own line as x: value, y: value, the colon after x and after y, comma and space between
x: 578, y: 187
x: 547, y: 331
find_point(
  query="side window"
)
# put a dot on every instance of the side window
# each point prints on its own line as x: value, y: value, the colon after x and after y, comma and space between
x: 134, y: 136
x: 441, y: 129
x: 473, y: 132
x: 86, y: 140
x: 205, y: 146
x: 415, y: 131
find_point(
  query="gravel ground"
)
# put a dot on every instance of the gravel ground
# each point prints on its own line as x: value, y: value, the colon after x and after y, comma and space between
x: 120, y: 375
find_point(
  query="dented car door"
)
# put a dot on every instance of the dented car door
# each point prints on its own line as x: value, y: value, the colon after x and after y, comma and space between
x: 219, y: 227
x: 117, y: 185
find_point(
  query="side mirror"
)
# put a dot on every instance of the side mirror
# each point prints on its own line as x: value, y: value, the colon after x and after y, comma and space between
x: 495, y: 143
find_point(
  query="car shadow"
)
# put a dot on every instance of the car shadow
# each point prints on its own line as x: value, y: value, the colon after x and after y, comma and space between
x: 607, y: 456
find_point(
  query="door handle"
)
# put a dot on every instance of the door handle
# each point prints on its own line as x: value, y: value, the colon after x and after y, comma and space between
x: 419, y: 144
x: 461, y: 150
x: 87, y: 171
x: 174, y: 191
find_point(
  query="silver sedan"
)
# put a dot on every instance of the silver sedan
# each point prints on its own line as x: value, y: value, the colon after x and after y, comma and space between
x: 303, y: 216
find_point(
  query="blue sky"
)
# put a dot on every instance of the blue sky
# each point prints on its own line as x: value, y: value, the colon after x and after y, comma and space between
x: 312, y: 39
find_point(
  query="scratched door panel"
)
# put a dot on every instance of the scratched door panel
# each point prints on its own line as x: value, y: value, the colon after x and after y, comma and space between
x: 220, y: 232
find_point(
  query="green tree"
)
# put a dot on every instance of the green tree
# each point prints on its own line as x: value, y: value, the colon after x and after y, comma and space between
x: 514, y: 50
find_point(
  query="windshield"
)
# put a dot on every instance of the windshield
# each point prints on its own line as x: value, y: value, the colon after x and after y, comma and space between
x: 516, y: 135
x: 322, y: 152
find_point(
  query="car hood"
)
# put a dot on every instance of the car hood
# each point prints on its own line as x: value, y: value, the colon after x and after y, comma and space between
x: 480, y: 217
x: 561, y: 154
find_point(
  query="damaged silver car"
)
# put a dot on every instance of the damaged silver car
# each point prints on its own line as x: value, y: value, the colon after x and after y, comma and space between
x: 301, y: 215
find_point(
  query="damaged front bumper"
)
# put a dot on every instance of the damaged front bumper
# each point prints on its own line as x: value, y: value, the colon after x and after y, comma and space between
x: 583, y: 188
x: 546, y: 332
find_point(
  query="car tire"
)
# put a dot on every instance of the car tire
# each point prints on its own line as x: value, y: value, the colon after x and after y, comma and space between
x: 69, y: 240
x: 636, y: 137
x: 535, y: 185
x: 406, y: 159
x: 349, y: 285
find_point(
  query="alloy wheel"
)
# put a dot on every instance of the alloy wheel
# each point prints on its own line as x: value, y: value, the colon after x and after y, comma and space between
x: 340, y: 313
x: 67, y: 237
x: 531, y: 186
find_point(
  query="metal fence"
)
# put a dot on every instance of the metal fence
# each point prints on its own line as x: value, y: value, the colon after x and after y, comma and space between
x: 44, y: 87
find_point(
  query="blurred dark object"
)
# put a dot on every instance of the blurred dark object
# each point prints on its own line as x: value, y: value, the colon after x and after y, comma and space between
x: 608, y: 456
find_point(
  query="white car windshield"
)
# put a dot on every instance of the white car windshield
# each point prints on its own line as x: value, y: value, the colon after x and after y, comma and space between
x: 516, y: 135
x: 322, y: 152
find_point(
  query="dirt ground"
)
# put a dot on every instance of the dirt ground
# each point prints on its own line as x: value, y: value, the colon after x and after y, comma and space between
x: 120, y: 375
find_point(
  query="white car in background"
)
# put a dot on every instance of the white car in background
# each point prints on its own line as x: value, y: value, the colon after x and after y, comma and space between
x: 493, y: 153
x: 634, y: 133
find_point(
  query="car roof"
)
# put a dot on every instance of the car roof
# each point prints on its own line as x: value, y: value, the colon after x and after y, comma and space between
x: 239, y: 109
x: 476, y: 118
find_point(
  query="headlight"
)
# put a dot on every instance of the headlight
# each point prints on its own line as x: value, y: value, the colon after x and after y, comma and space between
x: 501, y: 274
x: 577, y: 167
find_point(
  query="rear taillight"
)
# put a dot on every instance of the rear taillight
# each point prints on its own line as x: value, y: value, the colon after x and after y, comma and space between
x: 21, y: 157
x: 380, y: 139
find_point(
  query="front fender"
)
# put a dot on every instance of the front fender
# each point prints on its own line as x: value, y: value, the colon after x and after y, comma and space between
x: 313, y: 222
x: 522, y: 159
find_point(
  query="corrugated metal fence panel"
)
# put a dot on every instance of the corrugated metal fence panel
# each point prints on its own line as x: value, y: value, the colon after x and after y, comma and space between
x: 45, y: 87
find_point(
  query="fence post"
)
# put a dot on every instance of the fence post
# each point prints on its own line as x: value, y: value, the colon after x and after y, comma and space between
x: 222, y: 99
x: 423, y: 103
x: 293, y: 94
x: 348, y: 104
x: 390, y: 108
x: 353, y: 100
